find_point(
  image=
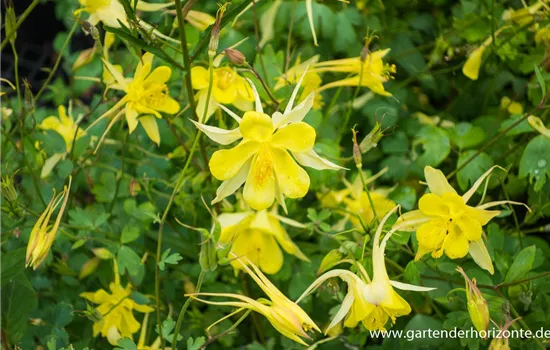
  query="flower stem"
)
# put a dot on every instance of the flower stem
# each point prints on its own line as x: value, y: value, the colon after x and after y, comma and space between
x: 20, y: 21
x: 57, y: 62
x: 184, y: 309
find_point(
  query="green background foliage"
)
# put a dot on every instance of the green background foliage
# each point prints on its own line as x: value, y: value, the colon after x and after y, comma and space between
x: 118, y: 195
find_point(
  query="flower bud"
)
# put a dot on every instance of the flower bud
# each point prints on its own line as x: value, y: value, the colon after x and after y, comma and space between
x: 10, y: 21
x: 29, y: 97
x: 89, y: 267
x: 8, y: 189
x: 135, y: 187
x: 477, y: 305
x: 357, y: 157
x: 329, y: 261
x: 215, y: 34
x: 499, y: 344
x: 85, y: 57
x: 102, y: 253
x: 207, y: 256
x: 235, y: 56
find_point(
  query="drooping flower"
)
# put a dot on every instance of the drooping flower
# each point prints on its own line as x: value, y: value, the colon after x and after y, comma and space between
x: 478, y: 309
x: 444, y: 223
x: 198, y: 19
x: 371, y: 72
x: 228, y: 87
x: 524, y: 15
x: 283, y: 314
x: 374, y: 302
x: 311, y: 82
x: 473, y: 63
x: 258, y: 235
x: 64, y: 125
x: 42, y: 234
x: 116, y: 309
x: 537, y: 124
x: 262, y: 160
x: 147, y: 96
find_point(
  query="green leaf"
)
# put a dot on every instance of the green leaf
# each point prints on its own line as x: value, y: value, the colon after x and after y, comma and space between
x: 535, y: 161
x: 522, y: 264
x: 126, y: 344
x: 466, y: 135
x: 419, y: 323
x: 411, y: 273
x: 473, y: 170
x: 542, y: 83
x: 435, y: 145
x: 18, y: 300
x: 195, y: 344
x: 169, y: 259
x: 128, y: 260
x: 129, y: 234
x: 105, y: 190
x: 13, y: 263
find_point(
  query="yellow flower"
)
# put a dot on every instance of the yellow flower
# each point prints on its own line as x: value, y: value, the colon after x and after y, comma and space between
x: 473, y: 63
x: 257, y: 235
x: 513, y: 107
x: 283, y: 314
x: 146, y: 97
x: 43, y: 235
x: 357, y: 201
x: 371, y: 73
x: 261, y: 160
x: 537, y: 124
x: 311, y: 82
x: 445, y: 223
x: 111, y: 12
x: 117, y: 319
x: 523, y: 16
x: 542, y: 36
x: 64, y: 125
x: 478, y: 308
x: 374, y: 302
x: 228, y: 87
x: 198, y: 19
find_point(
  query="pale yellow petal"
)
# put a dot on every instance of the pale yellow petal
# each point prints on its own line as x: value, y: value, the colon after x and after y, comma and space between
x: 256, y: 126
x: 295, y: 137
x: 225, y: 163
x: 437, y: 182
x: 259, y: 189
x: 292, y: 179
x: 149, y: 123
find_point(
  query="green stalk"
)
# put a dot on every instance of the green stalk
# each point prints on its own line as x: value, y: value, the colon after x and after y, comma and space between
x: 184, y: 309
x: 20, y: 21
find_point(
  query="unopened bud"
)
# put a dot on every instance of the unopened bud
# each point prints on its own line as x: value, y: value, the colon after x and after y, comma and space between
x: 29, y: 98
x: 477, y: 305
x: 102, y: 253
x: 85, y: 57
x: 499, y: 344
x: 10, y: 22
x: 188, y: 286
x: 135, y: 187
x: 364, y: 54
x: 207, y: 257
x: 8, y: 188
x: 17, y: 232
x: 235, y: 56
x: 357, y: 157
x: 329, y: 261
x: 215, y: 34
x: 371, y: 140
x: 89, y: 267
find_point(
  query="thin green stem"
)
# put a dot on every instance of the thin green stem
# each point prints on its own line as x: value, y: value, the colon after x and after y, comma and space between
x: 20, y: 21
x: 57, y: 62
x: 184, y: 309
x: 227, y: 331
x: 366, y: 187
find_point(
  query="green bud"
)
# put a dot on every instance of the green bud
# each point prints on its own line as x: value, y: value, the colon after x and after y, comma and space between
x: 29, y: 98
x: 371, y: 140
x: 223, y: 252
x: 207, y: 256
x: 8, y: 189
x: 10, y: 21
x: 329, y: 261
x: 478, y: 308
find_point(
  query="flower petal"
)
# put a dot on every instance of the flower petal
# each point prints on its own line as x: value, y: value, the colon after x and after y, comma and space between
x: 226, y: 163
x: 433, y: 205
x: 437, y: 182
x: 228, y: 187
x: 167, y: 105
x: 199, y: 78
x: 342, y: 312
x: 131, y: 117
x: 411, y: 220
x: 280, y: 234
x: 158, y: 76
x: 313, y: 160
x: 481, y: 256
x: 149, y: 123
x: 297, y: 114
x: 204, y: 112
x: 221, y: 136
x: 256, y: 126
x: 456, y: 245
x: 481, y: 215
x: 470, y: 227
x: 406, y: 286
x: 478, y: 183
x: 292, y: 179
x: 295, y: 137
x: 259, y: 189
x: 432, y: 234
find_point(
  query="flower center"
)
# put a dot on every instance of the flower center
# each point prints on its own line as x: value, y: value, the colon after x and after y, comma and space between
x: 225, y: 78
x: 153, y: 96
x: 264, y: 166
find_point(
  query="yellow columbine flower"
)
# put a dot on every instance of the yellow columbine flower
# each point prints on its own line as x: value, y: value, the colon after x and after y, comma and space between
x: 228, y: 87
x: 257, y: 235
x: 198, y: 19
x: 283, y: 314
x: 261, y: 160
x: 146, y: 97
x: 473, y: 63
x: 444, y: 223
x: 370, y: 73
x: 311, y: 82
x: 64, y: 125
x: 43, y: 235
x: 117, y: 319
x: 357, y: 201
x: 111, y: 12
x: 513, y: 107
x: 371, y: 302
x: 523, y: 16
